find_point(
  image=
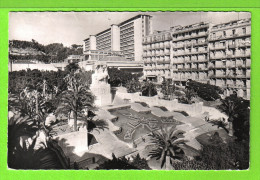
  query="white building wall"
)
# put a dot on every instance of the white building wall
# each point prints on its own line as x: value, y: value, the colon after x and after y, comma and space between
x: 93, y: 42
x: 115, y: 39
x: 138, y: 47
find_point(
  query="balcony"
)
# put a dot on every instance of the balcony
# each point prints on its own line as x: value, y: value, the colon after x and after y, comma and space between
x: 241, y: 75
x: 203, y: 60
x: 244, y: 44
x: 232, y: 46
x: 167, y: 45
x: 240, y: 65
x: 176, y: 46
x: 201, y: 34
x: 200, y: 43
x: 196, y: 52
x: 228, y: 37
x: 217, y: 48
x: 167, y: 53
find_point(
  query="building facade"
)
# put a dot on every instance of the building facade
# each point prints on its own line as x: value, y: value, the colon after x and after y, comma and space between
x: 190, y: 53
x: 216, y: 54
x: 125, y: 37
x: 230, y: 57
x: 157, y: 52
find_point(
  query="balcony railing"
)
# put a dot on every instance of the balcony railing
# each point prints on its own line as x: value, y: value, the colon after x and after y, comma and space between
x: 232, y: 46
x: 218, y: 48
x: 244, y: 44
x: 190, y: 36
x: 178, y: 46
x: 228, y: 37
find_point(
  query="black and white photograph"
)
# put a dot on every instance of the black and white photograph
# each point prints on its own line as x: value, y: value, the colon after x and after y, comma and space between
x: 129, y: 90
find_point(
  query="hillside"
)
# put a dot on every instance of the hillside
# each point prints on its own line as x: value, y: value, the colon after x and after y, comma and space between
x: 28, y: 51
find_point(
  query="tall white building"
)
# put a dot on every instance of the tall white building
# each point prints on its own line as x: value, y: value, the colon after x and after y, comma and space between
x: 124, y: 38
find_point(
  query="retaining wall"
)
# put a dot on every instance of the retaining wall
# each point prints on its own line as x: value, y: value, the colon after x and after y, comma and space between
x: 191, y: 109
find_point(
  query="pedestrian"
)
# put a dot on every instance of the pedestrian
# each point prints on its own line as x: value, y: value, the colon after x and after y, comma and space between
x: 143, y: 139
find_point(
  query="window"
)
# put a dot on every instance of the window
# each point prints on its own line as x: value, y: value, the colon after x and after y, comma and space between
x: 214, y: 35
x: 244, y: 30
x: 233, y: 31
x: 224, y: 33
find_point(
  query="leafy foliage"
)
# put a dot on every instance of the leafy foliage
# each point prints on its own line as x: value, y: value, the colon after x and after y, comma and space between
x: 194, y: 164
x: 167, y: 89
x: 187, y: 98
x: 133, y: 86
x: 54, y: 52
x: 76, y: 99
x: 19, y: 80
x: 205, y: 91
x: 124, y: 163
x: 118, y: 77
x: 24, y: 155
x: 234, y: 155
x: 149, y: 89
x: 238, y: 111
x: 167, y: 142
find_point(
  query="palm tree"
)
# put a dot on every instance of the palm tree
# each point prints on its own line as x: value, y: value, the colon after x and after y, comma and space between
x: 149, y: 89
x: 167, y: 145
x: 230, y: 107
x: 76, y: 99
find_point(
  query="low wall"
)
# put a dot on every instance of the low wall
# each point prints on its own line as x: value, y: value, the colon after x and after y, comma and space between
x: 73, y: 143
x: 191, y: 109
x: 41, y: 67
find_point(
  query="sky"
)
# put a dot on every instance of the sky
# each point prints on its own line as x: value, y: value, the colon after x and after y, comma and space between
x: 73, y: 27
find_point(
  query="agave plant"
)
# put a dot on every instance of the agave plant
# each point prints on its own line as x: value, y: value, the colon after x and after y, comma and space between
x: 167, y: 145
x: 22, y: 147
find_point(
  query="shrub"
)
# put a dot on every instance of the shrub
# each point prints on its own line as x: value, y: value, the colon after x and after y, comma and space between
x: 205, y: 91
x: 149, y: 89
x: 133, y: 86
x: 124, y: 163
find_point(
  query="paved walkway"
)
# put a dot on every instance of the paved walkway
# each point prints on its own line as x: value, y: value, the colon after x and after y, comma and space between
x: 108, y: 144
x: 139, y: 108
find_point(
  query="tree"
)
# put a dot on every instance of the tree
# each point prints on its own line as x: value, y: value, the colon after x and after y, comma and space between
x: 133, y: 86
x: 167, y: 89
x: 119, y: 77
x: 233, y: 155
x: 76, y: 99
x: 230, y: 106
x: 167, y: 145
x: 205, y: 91
x: 72, y: 67
x: 149, y: 89
x: 238, y: 111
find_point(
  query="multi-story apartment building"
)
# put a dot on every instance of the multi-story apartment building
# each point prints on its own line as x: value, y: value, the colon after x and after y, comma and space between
x: 157, y: 54
x: 190, y: 53
x: 126, y: 37
x: 216, y: 54
x: 230, y: 57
